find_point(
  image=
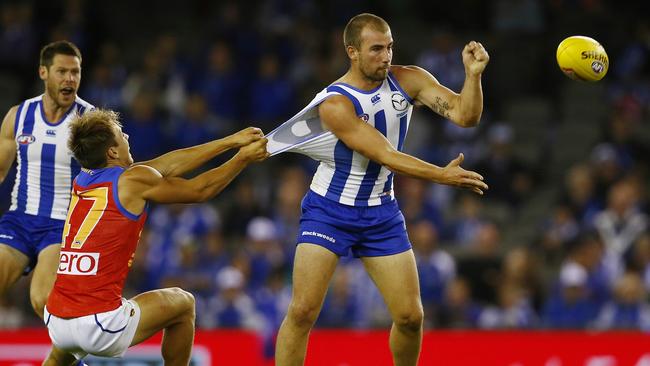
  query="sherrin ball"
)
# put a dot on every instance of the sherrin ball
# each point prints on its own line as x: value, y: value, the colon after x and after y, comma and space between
x: 582, y: 58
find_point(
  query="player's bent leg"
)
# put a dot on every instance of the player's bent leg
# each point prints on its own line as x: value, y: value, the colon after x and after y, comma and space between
x: 44, y: 276
x: 12, y: 265
x: 171, y: 309
x: 312, y: 271
x: 58, y: 357
x: 397, y: 279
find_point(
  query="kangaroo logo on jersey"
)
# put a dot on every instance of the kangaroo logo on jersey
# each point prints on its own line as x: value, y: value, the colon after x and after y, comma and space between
x: 25, y: 139
x: 399, y: 102
x: 78, y: 264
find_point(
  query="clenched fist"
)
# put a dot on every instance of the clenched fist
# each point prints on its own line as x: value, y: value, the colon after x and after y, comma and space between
x: 255, y: 151
x: 475, y: 58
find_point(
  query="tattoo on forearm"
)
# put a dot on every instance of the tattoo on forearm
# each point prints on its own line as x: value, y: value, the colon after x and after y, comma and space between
x: 441, y: 107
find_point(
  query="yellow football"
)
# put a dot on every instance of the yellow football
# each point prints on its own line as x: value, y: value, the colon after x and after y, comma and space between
x: 582, y: 58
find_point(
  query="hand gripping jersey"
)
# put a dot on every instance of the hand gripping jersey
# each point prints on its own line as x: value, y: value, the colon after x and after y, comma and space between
x: 344, y: 175
x: 45, y: 165
x: 99, y: 242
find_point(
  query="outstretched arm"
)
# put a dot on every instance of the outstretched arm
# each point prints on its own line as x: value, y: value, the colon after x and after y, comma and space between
x: 142, y: 183
x: 463, y: 109
x: 7, y: 143
x: 337, y: 113
x: 181, y: 161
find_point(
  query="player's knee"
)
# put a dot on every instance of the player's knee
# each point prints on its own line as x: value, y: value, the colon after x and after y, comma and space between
x: 184, y: 300
x: 38, y: 300
x: 410, y: 320
x: 303, y: 314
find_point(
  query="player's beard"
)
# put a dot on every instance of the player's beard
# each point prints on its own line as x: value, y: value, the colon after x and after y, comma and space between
x: 54, y: 92
x: 374, y: 74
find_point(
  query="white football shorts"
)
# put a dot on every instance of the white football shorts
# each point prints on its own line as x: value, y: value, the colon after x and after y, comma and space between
x: 107, y: 334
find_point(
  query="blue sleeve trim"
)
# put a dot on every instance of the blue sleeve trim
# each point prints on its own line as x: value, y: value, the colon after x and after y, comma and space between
x: 17, y: 120
x: 357, y: 105
x: 116, y: 198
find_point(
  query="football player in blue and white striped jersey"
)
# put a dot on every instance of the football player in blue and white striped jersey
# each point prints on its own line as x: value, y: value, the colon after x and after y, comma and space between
x: 350, y: 207
x: 35, y: 134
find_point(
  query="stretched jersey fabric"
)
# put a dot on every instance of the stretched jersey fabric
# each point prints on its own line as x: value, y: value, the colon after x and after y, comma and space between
x: 45, y: 165
x: 99, y: 242
x: 344, y: 175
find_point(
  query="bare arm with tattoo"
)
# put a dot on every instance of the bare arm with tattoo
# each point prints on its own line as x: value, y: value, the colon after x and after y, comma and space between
x: 463, y: 109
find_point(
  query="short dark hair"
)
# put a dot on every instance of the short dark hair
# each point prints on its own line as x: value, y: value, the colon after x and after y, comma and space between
x: 352, y: 31
x: 91, y: 134
x: 57, y: 48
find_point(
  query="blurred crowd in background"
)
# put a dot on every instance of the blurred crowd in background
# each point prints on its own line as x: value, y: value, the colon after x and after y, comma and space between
x: 561, y: 239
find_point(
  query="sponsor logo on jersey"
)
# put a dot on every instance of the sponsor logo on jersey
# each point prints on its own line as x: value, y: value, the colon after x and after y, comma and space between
x: 51, y: 133
x: 3, y: 236
x: 375, y: 99
x: 399, y: 102
x: 78, y: 263
x: 25, y: 139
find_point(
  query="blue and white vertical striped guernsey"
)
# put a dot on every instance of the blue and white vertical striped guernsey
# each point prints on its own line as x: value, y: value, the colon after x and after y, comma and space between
x: 46, y: 167
x: 344, y: 175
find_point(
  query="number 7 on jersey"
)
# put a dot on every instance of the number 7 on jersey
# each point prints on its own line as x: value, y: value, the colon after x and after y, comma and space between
x: 90, y: 205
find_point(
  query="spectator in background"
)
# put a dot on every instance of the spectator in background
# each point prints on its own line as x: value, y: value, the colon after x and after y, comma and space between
x: 436, y: 268
x: 441, y: 58
x: 104, y: 89
x: 458, y: 310
x: 622, y: 133
x: 179, y: 233
x: 606, y: 168
x: 272, y: 95
x: 558, y: 230
x: 243, y: 207
x: 511, y: 180
x: 629, y: 308
x: 197, y: 124
x: 291, y: 185
x: 107, y: 78
x: 579, y: 194
x: 264, y: 251
x: 339, y: 309
x: 581, y: 289
x: 620, y: 224
x: 464, y: 227
x: 521, y: 270
x: 145, y: 126
x: 174, y: 72
x: 271, y: 301
x: 231, y: 307
x: 637, y: 259
x: 415, y: 202
x: 513, y: 310
x: 481, y: 266
x: 373, y: 313
x: 220, y: 82
x: 188, y: 272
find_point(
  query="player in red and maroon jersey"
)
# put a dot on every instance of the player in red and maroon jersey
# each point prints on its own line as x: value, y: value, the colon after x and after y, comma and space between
x: 86, y: 313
